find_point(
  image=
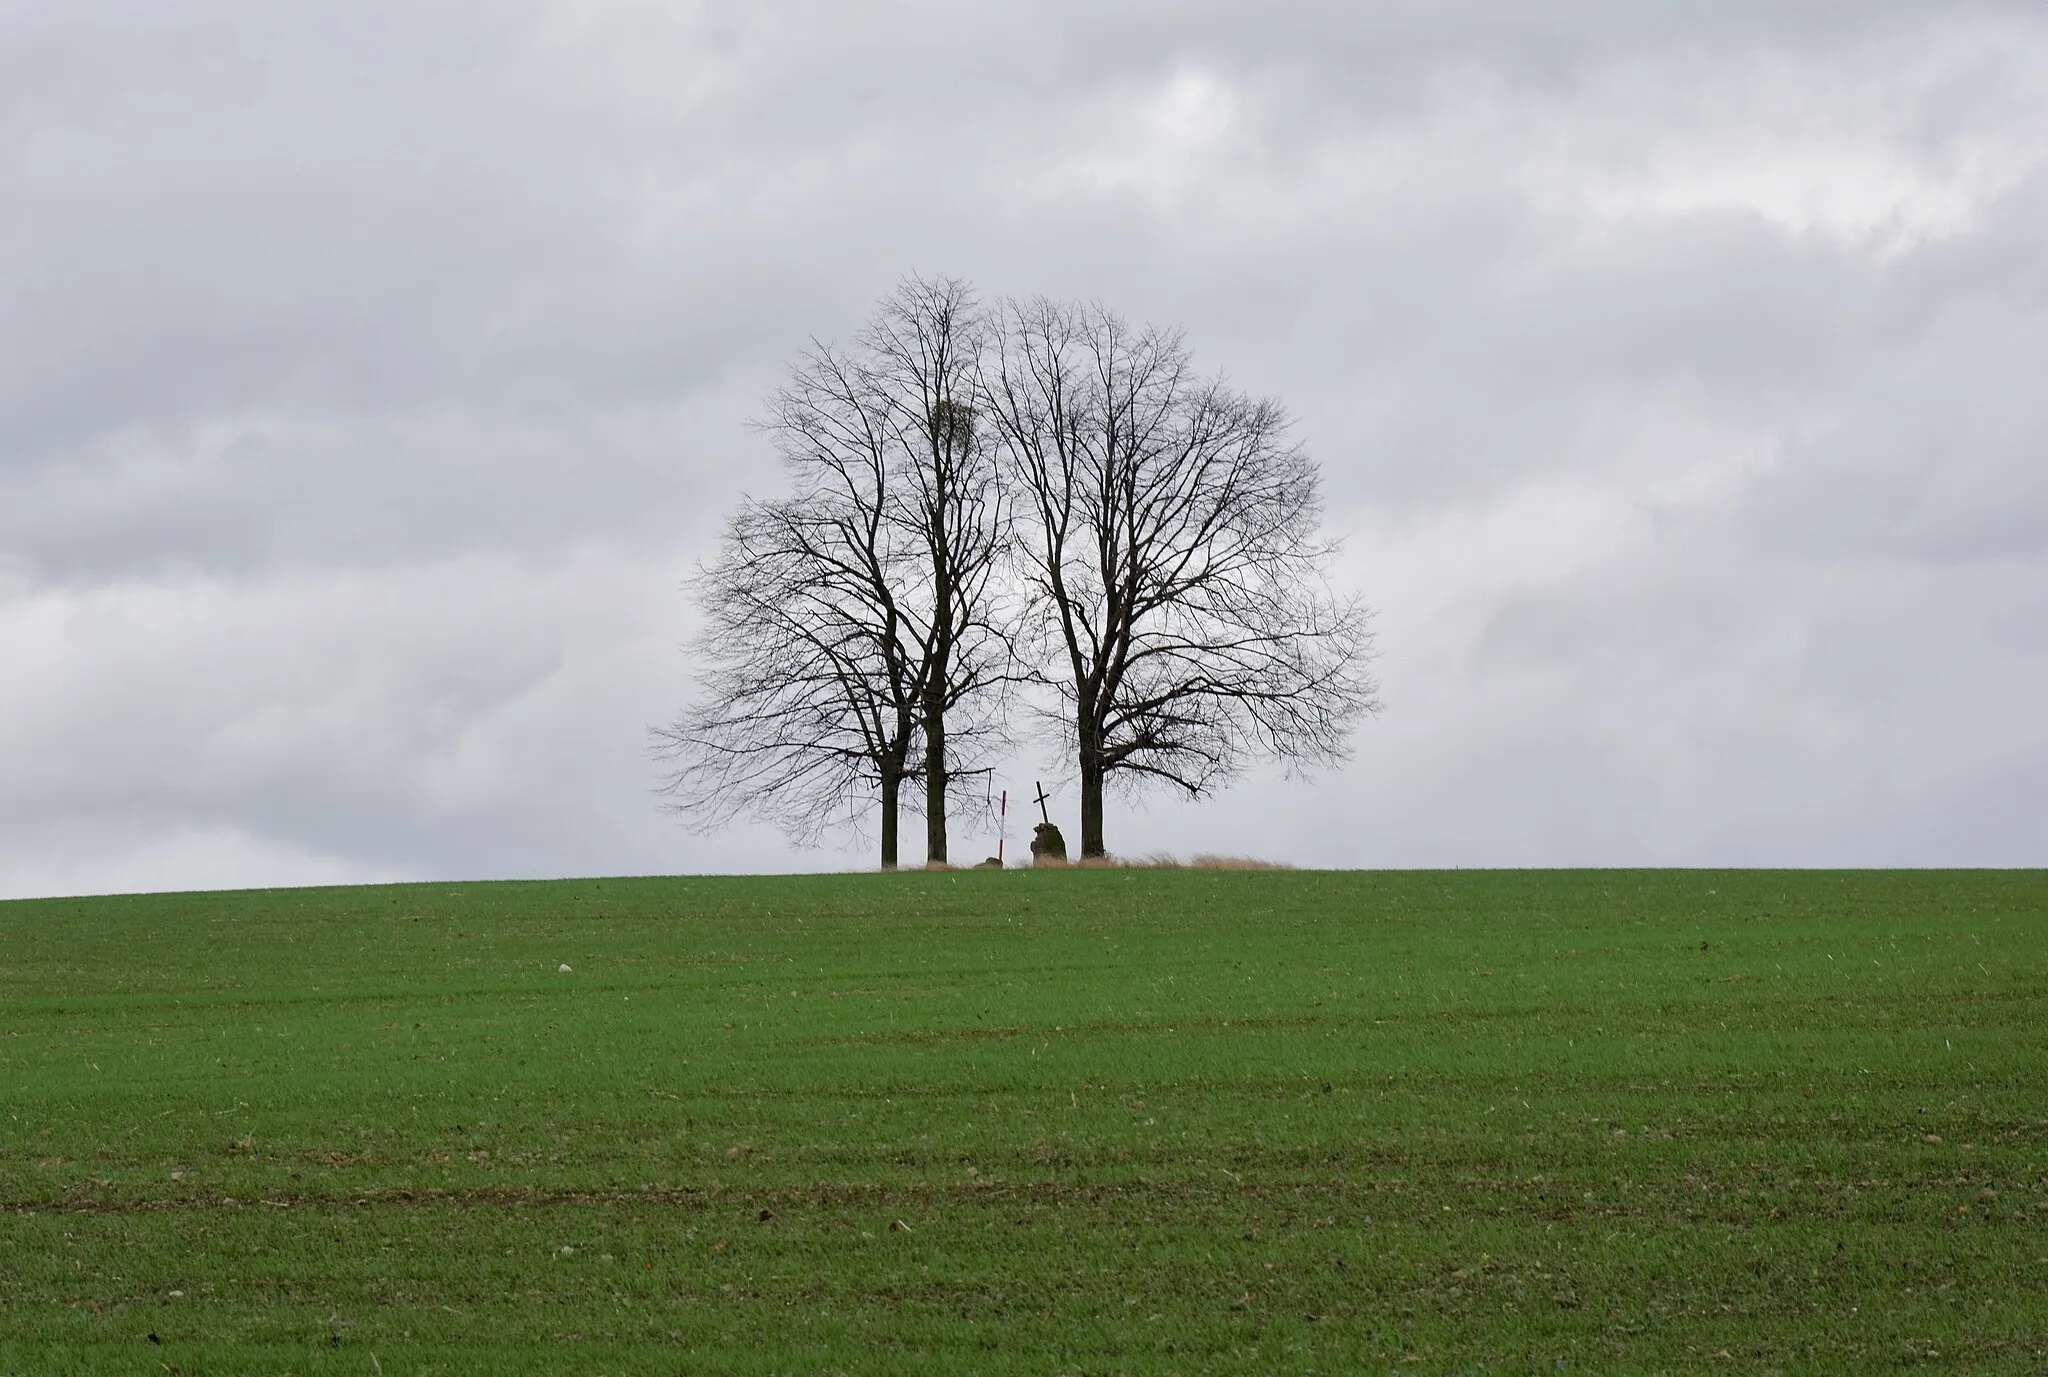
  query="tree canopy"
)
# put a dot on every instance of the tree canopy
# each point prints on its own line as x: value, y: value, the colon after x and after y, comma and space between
x: 1037, y: 494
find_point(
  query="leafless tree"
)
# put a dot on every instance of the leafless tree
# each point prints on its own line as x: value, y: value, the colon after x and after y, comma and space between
x: 924, y: 351
x: 1172, y: 557
x: 807, y: 701
x: 850, y: 640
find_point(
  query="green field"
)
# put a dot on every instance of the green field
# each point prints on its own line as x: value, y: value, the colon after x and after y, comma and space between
x: 1084, y: 1122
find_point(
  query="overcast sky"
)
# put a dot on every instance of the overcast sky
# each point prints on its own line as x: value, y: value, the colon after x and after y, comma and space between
x: 373, y: 372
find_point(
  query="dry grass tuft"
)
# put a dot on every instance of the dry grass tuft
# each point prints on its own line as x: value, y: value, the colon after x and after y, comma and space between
x: 1164, y: 860
x: 1156, y: 860
x: 1236, y: 863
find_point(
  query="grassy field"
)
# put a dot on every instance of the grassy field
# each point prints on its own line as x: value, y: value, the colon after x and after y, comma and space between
x: 1083, y: 1122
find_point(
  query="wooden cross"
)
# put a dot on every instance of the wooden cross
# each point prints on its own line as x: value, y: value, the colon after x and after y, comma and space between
x: 1041, y: 803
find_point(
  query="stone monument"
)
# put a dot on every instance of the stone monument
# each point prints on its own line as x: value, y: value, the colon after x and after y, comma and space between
x: 1048, y: 847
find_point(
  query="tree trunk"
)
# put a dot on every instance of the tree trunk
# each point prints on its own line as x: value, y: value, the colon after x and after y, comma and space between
x: 934, y: 784
x: 892, y: 789
x: 1091, y: 801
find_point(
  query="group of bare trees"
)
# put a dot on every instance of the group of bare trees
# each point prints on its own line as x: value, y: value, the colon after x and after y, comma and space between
x: 1034, y: 510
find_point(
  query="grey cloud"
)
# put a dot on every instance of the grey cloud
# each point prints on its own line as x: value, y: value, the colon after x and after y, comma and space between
x: 294, y: 489
x: 370, y: 375
x: 479, y: 717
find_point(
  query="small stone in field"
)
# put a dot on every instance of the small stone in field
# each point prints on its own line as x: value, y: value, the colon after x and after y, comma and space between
x: 1987, y: 1195
x: 1930, y: 1137
x: 563, y: 967
x: 1621, y: 1133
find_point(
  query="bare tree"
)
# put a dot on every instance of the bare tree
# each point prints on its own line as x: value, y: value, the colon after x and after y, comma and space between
x: 807, y: 698
x: 850, y: 641
x: 924, y: 350
x: 1173, y: 560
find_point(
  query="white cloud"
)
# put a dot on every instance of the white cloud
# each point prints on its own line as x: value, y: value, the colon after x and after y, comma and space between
x: 1160, y: 140
x: 1884, y: 154
x: 108, y: 859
